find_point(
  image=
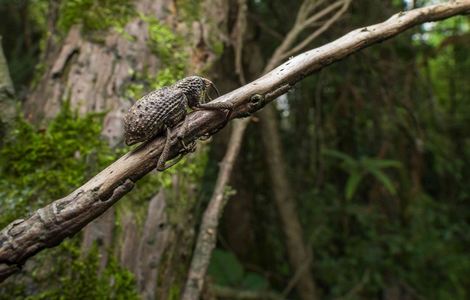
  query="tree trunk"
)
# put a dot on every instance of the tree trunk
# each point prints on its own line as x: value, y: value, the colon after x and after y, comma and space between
x: 298, y: 252
x: 93, y: 77
x: 155, y: 238
x: 130, y: 240
x: 8, y: 105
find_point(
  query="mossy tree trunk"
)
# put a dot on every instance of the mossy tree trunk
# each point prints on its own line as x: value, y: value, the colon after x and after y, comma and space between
x: 105, y: 71
x: 8, y: 106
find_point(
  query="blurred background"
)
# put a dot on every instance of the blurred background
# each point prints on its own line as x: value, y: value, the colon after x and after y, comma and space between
x: 368, y: 159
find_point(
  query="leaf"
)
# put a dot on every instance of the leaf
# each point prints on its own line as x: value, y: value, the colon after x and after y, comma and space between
x: 382, y: 163
x: 383, y: 178
x: 352, y: 183
x: 225, y: 268
x: 253, y: 281
x: 347, y: 160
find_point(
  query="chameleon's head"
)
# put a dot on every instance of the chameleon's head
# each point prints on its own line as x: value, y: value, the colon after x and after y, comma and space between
x: 196, y: 88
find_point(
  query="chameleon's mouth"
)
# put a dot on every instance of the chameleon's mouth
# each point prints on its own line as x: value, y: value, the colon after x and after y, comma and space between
x: 211, y: 85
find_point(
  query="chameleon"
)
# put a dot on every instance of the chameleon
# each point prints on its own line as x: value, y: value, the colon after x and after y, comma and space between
x: 161, y: 110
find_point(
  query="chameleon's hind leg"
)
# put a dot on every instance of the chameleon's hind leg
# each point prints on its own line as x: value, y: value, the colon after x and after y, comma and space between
x: 161, y: 164
x: 164, y: 155
x: 182, y: 133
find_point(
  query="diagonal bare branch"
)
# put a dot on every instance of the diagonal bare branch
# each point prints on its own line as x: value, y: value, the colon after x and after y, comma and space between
x: 324, y: 12
x: 319, y: 31
x: 49, y: 226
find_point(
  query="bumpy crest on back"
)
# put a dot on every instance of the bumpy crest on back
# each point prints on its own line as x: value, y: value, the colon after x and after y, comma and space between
x: 164, y: 107
x: 195, y: 88
x: 147, y: 116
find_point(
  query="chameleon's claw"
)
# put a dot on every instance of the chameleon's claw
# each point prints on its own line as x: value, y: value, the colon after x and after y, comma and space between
x: 205, y: 137
x: 187, y: 148
x: 162, y: 166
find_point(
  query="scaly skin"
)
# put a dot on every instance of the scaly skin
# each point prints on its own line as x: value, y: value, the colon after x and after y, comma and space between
x: 164, y: 108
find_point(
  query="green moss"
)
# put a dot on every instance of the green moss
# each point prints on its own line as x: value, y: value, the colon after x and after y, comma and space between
x: 39, y: 166
x: 167, y: 76
x: 83, y: 281
x: 63, y: 273
x: 189, y: 10
x: 170, y: 49
x: 218, y: 48
x: 175, y: 292
x: 162, y: 40
x: 95, y: 14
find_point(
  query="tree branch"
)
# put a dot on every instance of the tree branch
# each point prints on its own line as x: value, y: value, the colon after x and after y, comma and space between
x: 323, y: 28
x: 48, y: 226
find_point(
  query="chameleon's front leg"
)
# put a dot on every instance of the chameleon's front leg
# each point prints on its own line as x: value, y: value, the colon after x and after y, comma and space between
x: 228, y: 106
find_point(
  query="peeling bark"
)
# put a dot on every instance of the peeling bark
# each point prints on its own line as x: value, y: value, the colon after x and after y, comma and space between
x: 93, y: 76
x: 100, y: 231
x: 129, y: 247
x: 154, y: 242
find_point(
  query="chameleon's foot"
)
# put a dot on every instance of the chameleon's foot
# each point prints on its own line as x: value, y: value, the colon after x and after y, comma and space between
x: 162, y: 166
x: 167, y: 165
x: 187, y: 148
x: 206, y: 136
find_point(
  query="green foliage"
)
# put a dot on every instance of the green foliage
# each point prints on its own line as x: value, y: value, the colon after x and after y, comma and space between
x: 374, y: 225
x: 69, y: 276
x: 23, y: 50
x: 39, y: 166
x: 189, y: 10
x: 170, y: 49
x: 168, y: 75
x: 358, y: 169
x: 226, y: 270
x: 95, y: 14
x: 84, y: 282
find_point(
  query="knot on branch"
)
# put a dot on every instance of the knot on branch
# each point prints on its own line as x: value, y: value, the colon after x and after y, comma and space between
x: 256, y: 102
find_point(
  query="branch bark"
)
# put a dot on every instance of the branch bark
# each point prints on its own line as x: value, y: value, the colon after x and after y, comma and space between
x: 48, y: 226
